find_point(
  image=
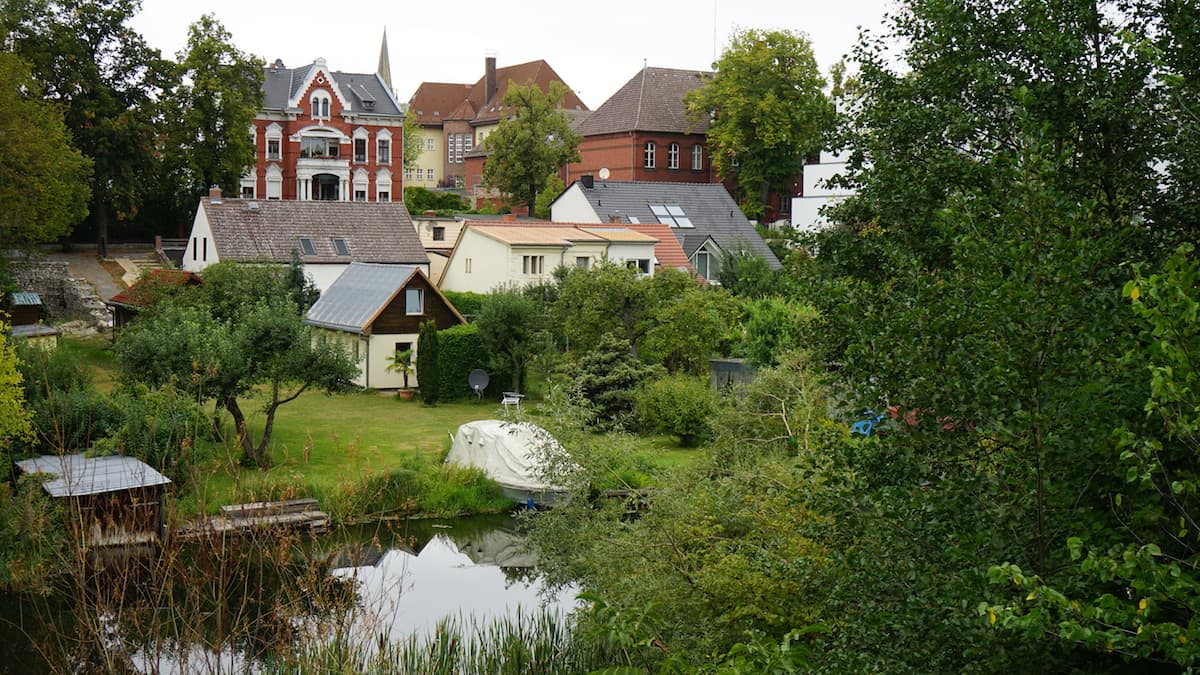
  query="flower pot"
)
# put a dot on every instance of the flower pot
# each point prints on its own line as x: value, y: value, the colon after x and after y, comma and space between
x: 405, y: 394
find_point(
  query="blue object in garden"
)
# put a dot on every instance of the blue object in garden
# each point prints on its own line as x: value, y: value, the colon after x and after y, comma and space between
x: 866, y: 426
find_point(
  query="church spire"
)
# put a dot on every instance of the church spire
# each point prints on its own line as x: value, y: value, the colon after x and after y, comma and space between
x: 385, y: 67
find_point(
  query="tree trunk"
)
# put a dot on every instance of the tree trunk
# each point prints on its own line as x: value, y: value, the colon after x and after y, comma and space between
x: 251, y: 456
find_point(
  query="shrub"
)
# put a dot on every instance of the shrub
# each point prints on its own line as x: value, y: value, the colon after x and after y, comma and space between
x: 460, y: 350
x: 419, y: 199
x: 679, y: 405
x: 427, y: 363
x: 467, y: 303
x: 607, y: 379
x: 161, y: 427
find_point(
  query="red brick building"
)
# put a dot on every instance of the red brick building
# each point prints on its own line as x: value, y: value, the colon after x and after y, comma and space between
x: 642, y: 132
x: 327, y: 135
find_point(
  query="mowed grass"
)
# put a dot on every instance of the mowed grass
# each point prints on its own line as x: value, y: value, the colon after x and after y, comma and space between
x: 323, y: 443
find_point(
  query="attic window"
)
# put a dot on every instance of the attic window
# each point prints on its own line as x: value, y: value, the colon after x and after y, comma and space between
x: 306, y: 247
x: 340, y: 246
x: 671, y: 214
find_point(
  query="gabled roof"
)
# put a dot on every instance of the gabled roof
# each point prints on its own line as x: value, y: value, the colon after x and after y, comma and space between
x: 363, y: 93
x: 667, y: 252
x: 555, y: 234
x: 77, y: 475
x: 248, y: 230
x: 469, y: 102
x: 535, y: 72
x: 361, y: 292
x: 708, y: 206
x: 651, y: 101
x: 145, y: 291
x: 433, y: 102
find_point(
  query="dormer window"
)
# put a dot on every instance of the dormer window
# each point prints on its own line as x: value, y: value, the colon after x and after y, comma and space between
x: 306, y: 247
x: 341, y: 247
x: 320, y: 104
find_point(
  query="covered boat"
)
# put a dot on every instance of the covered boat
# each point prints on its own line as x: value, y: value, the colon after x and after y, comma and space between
x: 514, y: 454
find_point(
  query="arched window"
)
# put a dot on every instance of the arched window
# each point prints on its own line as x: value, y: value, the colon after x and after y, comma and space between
x: 274, y: 142
x: 320, y: 104
x: 697, y: 157
x: 383, y: 147
x: 361, y: 138
x: 383, y: 186
x: 360, y: 185
x: 673, y: 156
x: 649, y: 155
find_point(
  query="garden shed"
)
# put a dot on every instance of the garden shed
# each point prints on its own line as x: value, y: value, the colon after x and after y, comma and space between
x: 117, y: 499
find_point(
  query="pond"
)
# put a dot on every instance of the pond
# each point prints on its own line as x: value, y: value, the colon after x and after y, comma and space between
x: 225, y: 608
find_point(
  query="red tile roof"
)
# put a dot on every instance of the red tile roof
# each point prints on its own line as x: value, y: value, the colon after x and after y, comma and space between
x: 668, y: 251
x: 155, y: 285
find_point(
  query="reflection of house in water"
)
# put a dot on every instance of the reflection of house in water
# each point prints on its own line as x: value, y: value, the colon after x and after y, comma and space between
x: 502, y: 548
x: 117, y: 499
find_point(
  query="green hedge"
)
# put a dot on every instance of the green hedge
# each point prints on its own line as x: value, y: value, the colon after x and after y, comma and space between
x: 460, y: 350
x: 467, y: 303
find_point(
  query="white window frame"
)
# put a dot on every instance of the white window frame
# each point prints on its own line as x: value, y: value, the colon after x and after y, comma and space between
x: 359, y: 191
x: 274, y: 133
x: 648, y: 155
x: 697, y: 157
x: 673, y: 156
x: 320, y: 104
x: 383, y: 147
x: 383, y: 185
x: 409, y: 295
x: 274, y: 182
x: 533, y: 265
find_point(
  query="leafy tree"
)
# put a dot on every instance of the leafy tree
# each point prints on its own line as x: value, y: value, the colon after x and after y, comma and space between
x: 681, y: 405
x: 14, y: 416
x: 401, y: 362
x: 233, y: 345
x: 43, y: 179
x: 773, y: 326
x: 428, y: 371
x: 108, y: 83
x: 413, y: 145
x: 614, y: 298
x: 554, y: 187
x: 690, y: 326
x: 1146, y: 601
x: 509, y: 326
x: 746, y: 273
x: 211, y: 110
x: 526, y: 149
x: 768, y: 112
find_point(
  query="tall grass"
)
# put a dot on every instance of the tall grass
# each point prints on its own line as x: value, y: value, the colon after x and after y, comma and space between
x: 535, y: 643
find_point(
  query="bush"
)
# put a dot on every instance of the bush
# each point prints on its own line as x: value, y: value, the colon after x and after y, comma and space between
x: 428, y: 367
x: 419, y: 200
x: 467, y: 303
x: 679, y: 405
x: 163, y: 428
x: 460, y: 350
x: 607, y: 378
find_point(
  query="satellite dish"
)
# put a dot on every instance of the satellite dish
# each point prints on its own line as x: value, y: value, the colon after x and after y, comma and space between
x: 604, y: 173
x: 478, y: 379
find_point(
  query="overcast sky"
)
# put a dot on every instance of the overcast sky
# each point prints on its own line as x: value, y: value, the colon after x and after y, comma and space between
x: 594, y: 46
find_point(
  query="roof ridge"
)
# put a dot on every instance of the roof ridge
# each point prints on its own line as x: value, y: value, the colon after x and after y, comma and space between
x: 637, y: 118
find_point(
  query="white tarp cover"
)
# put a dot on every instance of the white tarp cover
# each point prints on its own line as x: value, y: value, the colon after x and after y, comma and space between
x: 510, y: 453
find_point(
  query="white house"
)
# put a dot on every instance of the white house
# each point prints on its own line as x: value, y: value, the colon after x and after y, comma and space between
x: 376, y: 311
x: 806, y: 215
x: 490, y: 254
x: 327, y: 235
x: 703, y: 216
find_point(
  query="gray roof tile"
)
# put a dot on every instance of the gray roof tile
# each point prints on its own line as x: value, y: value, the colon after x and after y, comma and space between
x: 357, y: 296
x: 280, y: 85
x: 380, y: 232
x: 708, y: 206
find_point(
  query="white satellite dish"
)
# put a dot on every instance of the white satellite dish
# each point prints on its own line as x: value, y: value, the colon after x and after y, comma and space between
x: 604, y: 173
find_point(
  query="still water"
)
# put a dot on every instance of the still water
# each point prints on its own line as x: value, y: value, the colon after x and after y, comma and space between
x: 228, y: 609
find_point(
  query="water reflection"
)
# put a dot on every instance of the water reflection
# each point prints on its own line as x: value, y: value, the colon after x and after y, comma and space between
x: 464, y: 571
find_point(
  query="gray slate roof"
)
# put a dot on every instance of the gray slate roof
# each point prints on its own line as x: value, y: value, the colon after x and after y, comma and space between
x: 358, y: 295
x: 651, y: 101
x: 281, y: 84
x: 78, y: 475
x: 26, y: 298
x: 709, y: 206
x: 379, y: 232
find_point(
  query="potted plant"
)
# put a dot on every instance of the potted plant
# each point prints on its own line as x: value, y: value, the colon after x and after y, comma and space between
x: 401, y: 362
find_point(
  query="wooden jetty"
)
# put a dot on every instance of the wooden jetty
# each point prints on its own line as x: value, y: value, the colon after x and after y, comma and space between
x: 291, y: 515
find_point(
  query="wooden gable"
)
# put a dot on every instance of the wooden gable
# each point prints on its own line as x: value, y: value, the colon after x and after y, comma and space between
x: 395, y: 320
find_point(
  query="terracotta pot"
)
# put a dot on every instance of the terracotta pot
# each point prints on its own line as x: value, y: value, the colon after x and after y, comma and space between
x: 405, y: 394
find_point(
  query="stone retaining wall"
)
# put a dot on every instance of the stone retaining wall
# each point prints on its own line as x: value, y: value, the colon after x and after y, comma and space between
x: 64, y: 296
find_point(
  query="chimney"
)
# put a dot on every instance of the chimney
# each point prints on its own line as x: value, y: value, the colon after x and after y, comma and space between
x: 489, y: 78
x: 588, y: 181
x: 214, y: 194
x: 615, y: 218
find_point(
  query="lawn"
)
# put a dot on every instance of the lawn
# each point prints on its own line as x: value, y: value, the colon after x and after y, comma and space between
x: 322, y: 444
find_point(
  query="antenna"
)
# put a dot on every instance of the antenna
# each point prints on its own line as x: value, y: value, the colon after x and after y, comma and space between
x: 478, y: 379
